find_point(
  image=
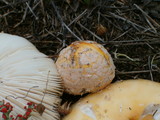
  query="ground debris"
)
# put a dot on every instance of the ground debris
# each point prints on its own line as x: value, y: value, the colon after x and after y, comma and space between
x: 132, y: 29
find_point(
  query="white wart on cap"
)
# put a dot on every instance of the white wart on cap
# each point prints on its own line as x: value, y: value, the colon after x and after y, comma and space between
x: 85, y: 66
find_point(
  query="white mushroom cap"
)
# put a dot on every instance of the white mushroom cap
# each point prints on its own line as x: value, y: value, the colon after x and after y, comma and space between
x: 85, y: 66
x: 23, y: 67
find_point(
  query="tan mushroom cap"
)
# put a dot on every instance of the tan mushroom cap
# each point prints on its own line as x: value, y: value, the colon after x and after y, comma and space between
x: 85, y: 66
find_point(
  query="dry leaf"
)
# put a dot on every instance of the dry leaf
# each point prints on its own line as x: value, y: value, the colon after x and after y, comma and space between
x: 101, y: 30
x: 64, y: 109
x: 40, y: 108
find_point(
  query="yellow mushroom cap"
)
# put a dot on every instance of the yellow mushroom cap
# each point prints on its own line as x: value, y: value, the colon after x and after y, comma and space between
x: 125, y: 100
x: 85, y: 66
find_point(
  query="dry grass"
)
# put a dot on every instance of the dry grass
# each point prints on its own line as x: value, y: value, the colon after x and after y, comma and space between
x: 131, y: 36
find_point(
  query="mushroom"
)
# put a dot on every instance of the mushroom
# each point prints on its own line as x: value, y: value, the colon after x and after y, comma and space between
x: 124, y: 100
x: 85, y: 66
x: 27, y: 75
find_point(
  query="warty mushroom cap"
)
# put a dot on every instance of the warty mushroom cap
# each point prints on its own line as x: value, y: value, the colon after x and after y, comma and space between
x: 85, y: 66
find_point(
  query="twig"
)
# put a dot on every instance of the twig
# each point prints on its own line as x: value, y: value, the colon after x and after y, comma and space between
x: 150, y: 46
x: 78, y: 17
x: 72, y: 32
x: 144, y: 13
x: 130, y: 43
x: 130, y: 22
x: 153, y: 65
x: 46, y: 86
x: 63, y: 24
x: 23, y: 18
x: 141, y: 41
x: 150, y: 24
x: 5, y: 14
x: 134, y: 72
x: 42, y: 6
x: 90, y: 32
x: 111, y: 22
x: 23, y: 96
x: 146, y: 17
x: 53, y: 36
x: 116, y: 55
x: 150, y: 67
x: 15, y: 3
x: 78, y: 32
x: 5, y: 2
x: 31, y: 11
x: 121, y: 35
x: 126, y: 20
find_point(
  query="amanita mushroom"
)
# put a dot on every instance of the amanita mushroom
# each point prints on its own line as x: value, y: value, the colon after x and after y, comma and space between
x: 125, y: 100
x: 27, y: 75
x: 85, y: 66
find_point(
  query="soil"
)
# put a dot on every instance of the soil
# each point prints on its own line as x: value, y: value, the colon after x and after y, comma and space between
x: 128, y: 29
